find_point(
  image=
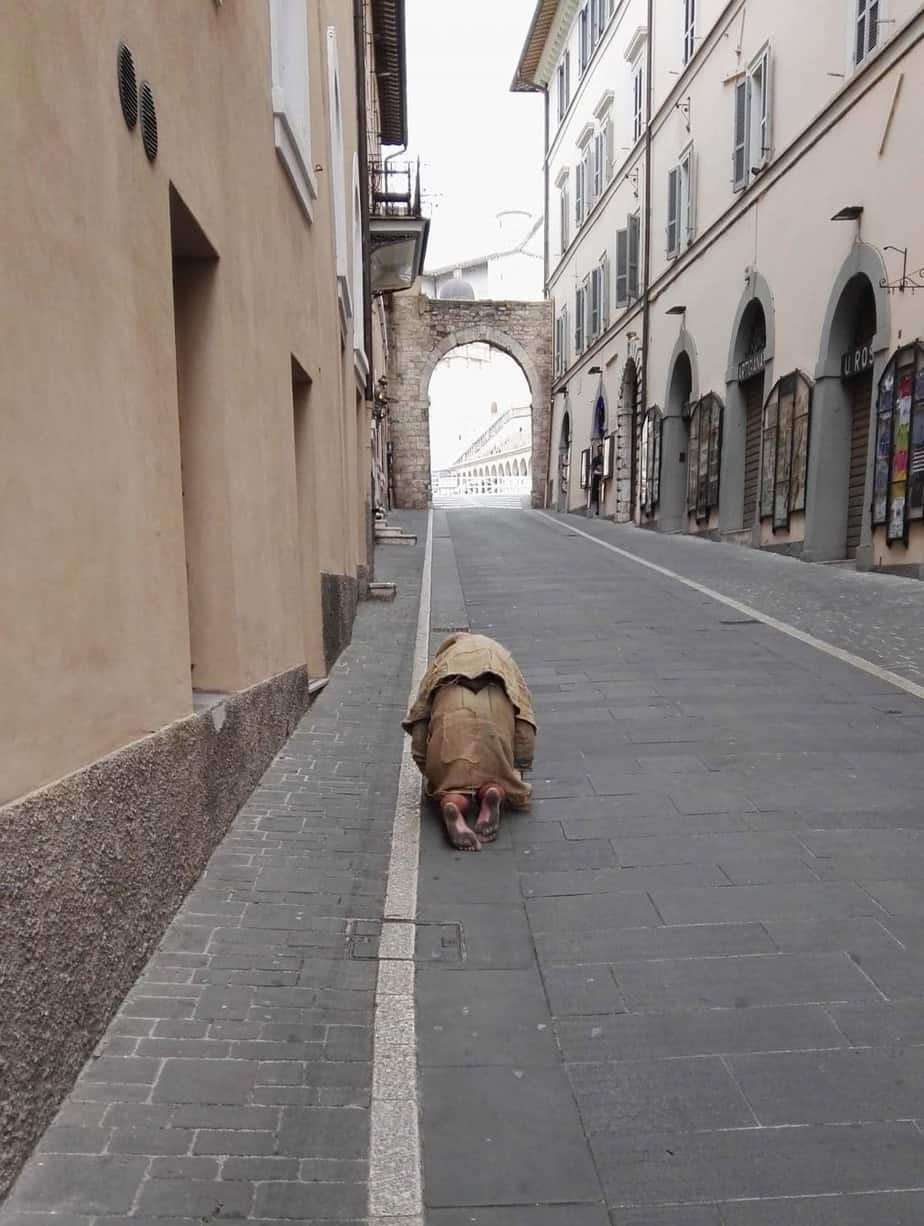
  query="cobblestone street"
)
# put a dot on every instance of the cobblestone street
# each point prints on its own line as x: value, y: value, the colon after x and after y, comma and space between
x: 686, y: 989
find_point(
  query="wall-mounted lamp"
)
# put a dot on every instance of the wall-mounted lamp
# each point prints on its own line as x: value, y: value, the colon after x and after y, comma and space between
x: 595, y: 370
x: 850, y: 212
x: 562, y: 391
x: 676, y: 310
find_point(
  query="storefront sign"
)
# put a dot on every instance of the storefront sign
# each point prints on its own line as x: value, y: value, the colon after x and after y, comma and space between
x: 752, y: 365
x: 857, y: 361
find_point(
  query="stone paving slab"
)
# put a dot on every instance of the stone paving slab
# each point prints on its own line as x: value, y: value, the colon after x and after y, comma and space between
x: 720, y: 889
x: 235, y: 1080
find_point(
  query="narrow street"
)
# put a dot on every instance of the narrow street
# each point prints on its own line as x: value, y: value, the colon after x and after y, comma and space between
x: 687, y: 989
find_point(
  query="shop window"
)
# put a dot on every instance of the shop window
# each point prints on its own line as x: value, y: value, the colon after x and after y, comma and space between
x: 784, y: 471
x: 898, y: 480
x: 609, y: 456
x: 650, y: 460
x: 704, y: 456
x: 585, y: 468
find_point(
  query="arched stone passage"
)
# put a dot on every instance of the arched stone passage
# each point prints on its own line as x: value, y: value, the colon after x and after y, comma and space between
x: 858, y: 315
x: 425, y: 330
x: 627, y: 443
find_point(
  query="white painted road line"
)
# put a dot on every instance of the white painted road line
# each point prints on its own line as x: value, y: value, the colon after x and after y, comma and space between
x: 395, y: 1185
x: 846, y: 657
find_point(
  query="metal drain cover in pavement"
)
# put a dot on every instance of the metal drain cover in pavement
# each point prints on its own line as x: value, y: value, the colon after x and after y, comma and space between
x: 438, y: 943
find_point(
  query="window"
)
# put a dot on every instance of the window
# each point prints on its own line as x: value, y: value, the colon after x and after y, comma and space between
x: 561, y: 324
x: 622, y: 268
x: 583, y: 39
x: 650, y: 460
x: 579, y: 194
x: 681, y: 202
x: 898, y: 477
x: 359, y: 314
x: 565, y: 214
x: 593, y: 323
x: 609, y: 153
x: 338, y: 183
x: 564, y: 85
x: 291, y: 120
x: 596, y: 22
x: 635, y: 245
x: 785, y: 449
x: 599, y: 164
x: 638, y: 100
x: 752, y: 121
x: 689, y: 30
x: 704, y: 457
x: 588, y: 160
x: 867, y: 39
x: 605, y: 291
x: 579, y: 314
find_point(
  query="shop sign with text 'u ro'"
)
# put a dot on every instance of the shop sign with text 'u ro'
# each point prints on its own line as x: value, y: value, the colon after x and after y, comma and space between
x: 856, y: 361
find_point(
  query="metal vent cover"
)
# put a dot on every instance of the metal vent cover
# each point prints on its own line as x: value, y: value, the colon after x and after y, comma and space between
x: 148, y: 120
x: 128, y: 85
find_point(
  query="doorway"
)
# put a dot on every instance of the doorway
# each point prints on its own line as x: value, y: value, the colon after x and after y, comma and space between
x: 195, y: 264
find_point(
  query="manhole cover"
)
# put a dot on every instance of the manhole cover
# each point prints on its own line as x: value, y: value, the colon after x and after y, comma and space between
x: 438, y: 943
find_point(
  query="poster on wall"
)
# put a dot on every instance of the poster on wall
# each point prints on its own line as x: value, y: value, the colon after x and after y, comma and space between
x: 585, y: 469
x: 916, y: 467
x: 901, y: 439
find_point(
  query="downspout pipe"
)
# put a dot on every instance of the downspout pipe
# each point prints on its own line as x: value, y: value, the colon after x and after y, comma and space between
x: 646, y: 307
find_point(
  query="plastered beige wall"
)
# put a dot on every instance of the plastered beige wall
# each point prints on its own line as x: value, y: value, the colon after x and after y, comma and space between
x: 95, y: 650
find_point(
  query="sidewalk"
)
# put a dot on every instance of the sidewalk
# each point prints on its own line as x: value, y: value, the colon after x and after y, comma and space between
x: 235, y: 1080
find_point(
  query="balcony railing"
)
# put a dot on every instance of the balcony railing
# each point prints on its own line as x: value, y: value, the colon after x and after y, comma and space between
x: 394, y: 189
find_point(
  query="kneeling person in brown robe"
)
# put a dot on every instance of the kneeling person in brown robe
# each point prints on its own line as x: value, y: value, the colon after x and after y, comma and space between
x: 473, y: 732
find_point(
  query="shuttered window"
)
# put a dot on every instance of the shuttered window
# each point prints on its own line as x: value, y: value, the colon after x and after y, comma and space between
x: 673, y: 211
x: 704, y: 457
x: 635, y: 243
x: 784, y: 461
x: 638, y: 101
x: 622, y: 268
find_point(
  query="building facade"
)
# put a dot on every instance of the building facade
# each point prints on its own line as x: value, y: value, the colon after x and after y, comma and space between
x: 732, y: 250
x: 499, y: 461
x: 513, y: 271
x: 186, y: 474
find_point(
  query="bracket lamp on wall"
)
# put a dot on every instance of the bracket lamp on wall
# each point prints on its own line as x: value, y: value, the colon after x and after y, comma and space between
x: 676, y: 310
x: 595, y: 370
x: 850, y: 212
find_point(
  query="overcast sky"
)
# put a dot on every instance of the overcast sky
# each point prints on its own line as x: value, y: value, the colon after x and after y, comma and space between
x: 480, y: 146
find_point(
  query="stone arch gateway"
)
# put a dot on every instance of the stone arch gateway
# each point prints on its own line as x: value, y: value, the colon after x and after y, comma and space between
x: 424, y: 330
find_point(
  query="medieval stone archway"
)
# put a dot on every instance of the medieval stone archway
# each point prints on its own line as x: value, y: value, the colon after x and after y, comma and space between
x: 423, y: 331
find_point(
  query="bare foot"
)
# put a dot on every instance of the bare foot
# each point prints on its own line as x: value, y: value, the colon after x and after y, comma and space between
x: 461, y: 835
x: 488, y: 823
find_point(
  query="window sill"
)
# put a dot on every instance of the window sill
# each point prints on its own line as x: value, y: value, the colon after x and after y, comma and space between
x: 298, y: 174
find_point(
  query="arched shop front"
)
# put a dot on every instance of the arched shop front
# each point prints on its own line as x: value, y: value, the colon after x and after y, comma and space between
x: 749, y: 373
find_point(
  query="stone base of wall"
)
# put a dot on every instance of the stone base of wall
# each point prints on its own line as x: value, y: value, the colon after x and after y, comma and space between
x: 789, y: 549
x: 92, y: 870
x: 907, y: 570
x: 339, y: 596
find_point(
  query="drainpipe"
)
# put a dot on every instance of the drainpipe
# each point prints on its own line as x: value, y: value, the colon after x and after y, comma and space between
x: 646, y: 310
